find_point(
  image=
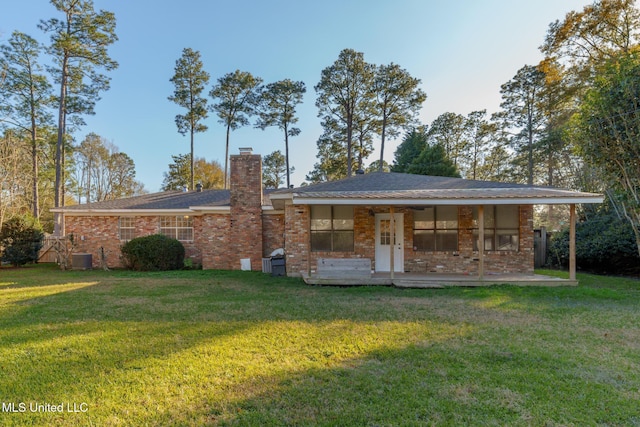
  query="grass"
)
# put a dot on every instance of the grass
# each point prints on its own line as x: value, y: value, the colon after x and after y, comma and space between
x: 237, y: 348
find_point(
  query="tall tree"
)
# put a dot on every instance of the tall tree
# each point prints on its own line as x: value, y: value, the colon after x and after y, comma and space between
x: 610, y: 133
x: 522, y: 113
x: 90, y: 157
x: 479, y: 133
x: 104, y: 172
x: 365, y: 126
x: 13, y: 175
x: 189, y: 81
x: 344, y: 90
x: 274, y: 170
x: 79, y: 46
x: 375, y: 167
x: 236, y: 97
x: 409, y: 149
x: 208, y: 174
x: 398, y: 100
x: 25, y: 97
x: 278, y: 103
x: 557, y: 105
x: 448, y: 130
x: 600, y: 31
x: 575, y: 47
x: 433, y: 160
x: 496, y: 165
x: 332, y: 156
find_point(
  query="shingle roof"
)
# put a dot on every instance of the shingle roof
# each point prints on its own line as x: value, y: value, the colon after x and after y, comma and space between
x: 371, y: 187
x: 392, y: 181
x: 162, y: 200
x: 385, y: 186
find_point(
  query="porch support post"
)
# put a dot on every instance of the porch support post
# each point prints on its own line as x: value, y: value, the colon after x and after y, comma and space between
x: 392, y: 245
x: 308, y: 227
x: 572, y: 242
x: 481, y: 242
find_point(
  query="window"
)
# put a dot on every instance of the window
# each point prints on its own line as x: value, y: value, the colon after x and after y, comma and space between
x: 126, y: 228
x: 178, y: 227
x: 501, y: 228
x: 332, y: 228
x: 435, y: 229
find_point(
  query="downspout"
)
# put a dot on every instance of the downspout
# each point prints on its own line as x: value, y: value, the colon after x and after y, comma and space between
x: 308, y: 228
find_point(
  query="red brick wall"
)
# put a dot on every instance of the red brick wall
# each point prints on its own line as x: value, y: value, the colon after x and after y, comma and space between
x: 210, y: 247
x: 245, y: 233
x: 212, y: 238
x: 91, y: 233
x: 213, y: 245
x: 220, y: 240
x: 296, y: 240
x: 272, y: 232
x: 464, y: 261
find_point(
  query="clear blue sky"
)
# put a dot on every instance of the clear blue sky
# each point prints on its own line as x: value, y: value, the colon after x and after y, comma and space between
x: 462, y: 50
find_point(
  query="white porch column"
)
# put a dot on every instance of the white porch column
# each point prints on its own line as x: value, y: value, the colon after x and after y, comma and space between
x: 392, y: 246
x: 481, y: 242
x: 572, y: 242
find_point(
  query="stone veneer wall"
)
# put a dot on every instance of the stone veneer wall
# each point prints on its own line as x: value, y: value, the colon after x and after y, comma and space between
x: 464, y: 261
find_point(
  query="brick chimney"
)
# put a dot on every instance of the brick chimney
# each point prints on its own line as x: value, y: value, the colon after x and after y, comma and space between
x: 246, y: 209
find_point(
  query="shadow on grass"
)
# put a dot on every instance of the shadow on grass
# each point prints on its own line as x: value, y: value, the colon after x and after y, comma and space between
x: 197, y: 348
x: 453, y: 382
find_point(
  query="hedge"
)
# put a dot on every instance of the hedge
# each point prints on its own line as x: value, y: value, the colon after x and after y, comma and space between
x: 156, y: 252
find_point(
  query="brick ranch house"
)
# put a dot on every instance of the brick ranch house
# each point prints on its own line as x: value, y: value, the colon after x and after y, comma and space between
x: 436, y: 224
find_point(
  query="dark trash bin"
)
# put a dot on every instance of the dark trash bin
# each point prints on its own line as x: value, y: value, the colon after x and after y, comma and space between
x: 278, y: 267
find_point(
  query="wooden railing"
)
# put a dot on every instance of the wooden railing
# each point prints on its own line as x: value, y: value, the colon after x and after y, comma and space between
x: 56, y: 249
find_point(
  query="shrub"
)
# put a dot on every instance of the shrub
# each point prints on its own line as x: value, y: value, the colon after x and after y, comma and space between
x: 153, y: 253
x: 604, y: 244
x: 21, y: 237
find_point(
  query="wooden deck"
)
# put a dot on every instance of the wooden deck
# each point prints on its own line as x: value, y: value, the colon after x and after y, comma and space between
x: 436, y: 280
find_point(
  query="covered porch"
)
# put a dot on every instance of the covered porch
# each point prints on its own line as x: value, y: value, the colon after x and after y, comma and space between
x: 419, y: 231
x: 359, y: 271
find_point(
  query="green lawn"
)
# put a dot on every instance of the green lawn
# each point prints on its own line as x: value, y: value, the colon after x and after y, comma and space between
x: 233, y: 348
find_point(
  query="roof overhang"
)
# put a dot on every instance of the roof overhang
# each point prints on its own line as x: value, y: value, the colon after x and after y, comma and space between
x: 438, y: 197
x: 122, y: 212
x: 192, y: 210
x: 457, y: 202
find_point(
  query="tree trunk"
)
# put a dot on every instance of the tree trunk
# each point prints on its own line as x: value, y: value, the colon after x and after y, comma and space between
x: 530, y: 147
x: 286, y: 153
x: 58, y: 191
x: 349, y: 143
x: 34, y: 165
x: 382, y: 136
x: 550, y: 183
x: 193, y: 184
x: 226, y: 159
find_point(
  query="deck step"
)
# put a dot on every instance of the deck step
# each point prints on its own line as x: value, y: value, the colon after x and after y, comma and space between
x: 417, y: 284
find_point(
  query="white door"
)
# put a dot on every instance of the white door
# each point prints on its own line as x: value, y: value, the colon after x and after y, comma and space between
x: 383, y: 242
